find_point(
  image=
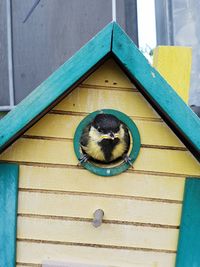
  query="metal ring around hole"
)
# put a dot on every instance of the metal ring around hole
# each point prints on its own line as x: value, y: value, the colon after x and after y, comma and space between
x: 102, y: 171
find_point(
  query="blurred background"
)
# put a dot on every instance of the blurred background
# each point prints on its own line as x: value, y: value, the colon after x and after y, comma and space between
x: 37, y: 36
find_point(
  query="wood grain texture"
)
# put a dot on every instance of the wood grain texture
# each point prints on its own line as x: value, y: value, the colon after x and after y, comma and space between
x: 174, y: 64
x: 45, y: 94
x: 89, y: 100
x: 80, y: 264
x: 115, y: 209
x: 116, y: 257
x: 8, y: 206
x: 62, y: 152
x: 156, y: 88
x: 108, y: 234
x: 64, y: 126
x: 124, y: 185
x: 56, y: 201
x: 109, y: 75
x: 188, y: 247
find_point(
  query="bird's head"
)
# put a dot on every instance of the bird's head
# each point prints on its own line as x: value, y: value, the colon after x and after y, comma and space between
x: 106, y: 126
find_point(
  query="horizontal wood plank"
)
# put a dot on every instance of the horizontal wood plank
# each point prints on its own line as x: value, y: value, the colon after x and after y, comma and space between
x: 125, y: 184
x: 64, y: 126
x: 109, y: 74
x: 89, y: 100
x: 37, y: 252
x: 107, y: 234
x: 22, y: 264
x: 74, y: 264
x: 62, y: 152
x: 115, y: 209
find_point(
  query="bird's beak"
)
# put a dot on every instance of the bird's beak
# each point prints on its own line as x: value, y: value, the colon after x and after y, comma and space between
x: 111, y: 136
x: 105, y: 136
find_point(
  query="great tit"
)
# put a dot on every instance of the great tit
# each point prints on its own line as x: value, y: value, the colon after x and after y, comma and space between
x: 106, y: 139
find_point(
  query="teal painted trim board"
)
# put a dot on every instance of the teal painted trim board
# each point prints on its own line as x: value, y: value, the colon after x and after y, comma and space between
x: 8, y: 207
x: 155, y: 86
x: 57, y: 84
x: 188, y: 254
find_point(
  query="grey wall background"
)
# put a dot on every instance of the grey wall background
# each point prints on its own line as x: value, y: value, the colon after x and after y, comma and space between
x: 54, y: 32
x: 178, y: 24
x: 4, y: 95
x: 187, y: 32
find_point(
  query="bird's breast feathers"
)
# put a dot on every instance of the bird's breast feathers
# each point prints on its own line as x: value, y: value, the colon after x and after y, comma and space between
x: 119, y: 150
x: 94, y: 150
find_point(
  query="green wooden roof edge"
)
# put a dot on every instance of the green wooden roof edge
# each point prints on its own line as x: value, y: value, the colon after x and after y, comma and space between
x: 9, y: 179
x: 155, y: 87
x: 54, y: 86
x: 189, y: 235
x: 111, y: 40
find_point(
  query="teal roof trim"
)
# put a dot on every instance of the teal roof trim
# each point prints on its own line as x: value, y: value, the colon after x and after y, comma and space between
x: 111, y: 40
x: 156, y: 88
x: 55, y: 86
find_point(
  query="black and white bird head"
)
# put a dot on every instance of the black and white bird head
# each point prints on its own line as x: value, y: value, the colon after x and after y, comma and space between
x: 106, y: 126
x: 105, y: 139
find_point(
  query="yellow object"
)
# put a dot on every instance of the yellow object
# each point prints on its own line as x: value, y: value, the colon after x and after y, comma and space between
x: 128, y: 184
x: 57, y: 198
x: 168, y: 161
x: 174, y: 64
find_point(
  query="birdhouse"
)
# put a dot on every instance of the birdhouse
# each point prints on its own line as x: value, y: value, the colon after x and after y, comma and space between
x: 57, y: 208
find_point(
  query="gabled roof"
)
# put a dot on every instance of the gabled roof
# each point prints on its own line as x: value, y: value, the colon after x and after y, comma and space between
x: 111, y: 41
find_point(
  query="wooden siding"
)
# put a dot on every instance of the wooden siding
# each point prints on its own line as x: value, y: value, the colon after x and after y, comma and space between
x: 61, y: 152
x: 57, y: 198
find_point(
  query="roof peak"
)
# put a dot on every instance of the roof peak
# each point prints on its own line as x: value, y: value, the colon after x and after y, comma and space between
x: 110, y: 40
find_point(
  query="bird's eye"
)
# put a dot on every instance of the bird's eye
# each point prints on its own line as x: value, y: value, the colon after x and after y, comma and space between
x: 99, y: 129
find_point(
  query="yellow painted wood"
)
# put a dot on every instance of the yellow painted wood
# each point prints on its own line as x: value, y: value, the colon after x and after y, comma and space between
x: 89, y: 100
x: 62, y: 152
x: 37, y: 252
x: 123, y: 198
x: 78, y: 180
x: 64, y: 126
x: 174, y: 64
x: 109, y: 74
x: 114, y: 194
x: 78, y: 264
x: 79, y: 206
x: 107, y: 234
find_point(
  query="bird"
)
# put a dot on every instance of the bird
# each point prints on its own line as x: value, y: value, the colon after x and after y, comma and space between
x: 105, y: 140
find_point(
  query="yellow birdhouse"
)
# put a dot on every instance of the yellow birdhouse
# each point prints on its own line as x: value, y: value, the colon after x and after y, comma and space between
x: 100, y: 214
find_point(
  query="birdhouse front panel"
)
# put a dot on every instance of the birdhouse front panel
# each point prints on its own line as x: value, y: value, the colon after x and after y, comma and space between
x: 57, y: 198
